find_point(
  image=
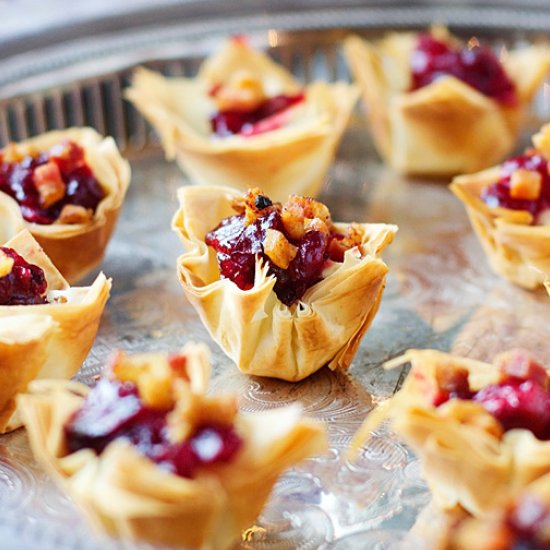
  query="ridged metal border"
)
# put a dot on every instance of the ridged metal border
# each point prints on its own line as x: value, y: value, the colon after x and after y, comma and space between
x: 82, y: 83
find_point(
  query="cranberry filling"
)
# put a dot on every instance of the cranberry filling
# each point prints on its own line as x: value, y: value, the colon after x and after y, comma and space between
x: 498, y: 193
x: 264, y: 118
x: 515, y: 402
x: 478, y: 67
x: 528, y: 522
x: 114, y: 410
x: 237, y: 245
x: 25, y: 284
x: 17, y: 179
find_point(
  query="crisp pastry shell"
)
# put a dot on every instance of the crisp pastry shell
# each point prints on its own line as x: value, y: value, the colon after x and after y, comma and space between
x: 290, y: 159
x: 259, y: 333
x: 76, y: 249
x: 446, y: 127
x: 468, y: 533
x: 125, y: 494
x: 463, y: 464
x: 516, y: 250
x: 72, y: 326
x: 24, y: 340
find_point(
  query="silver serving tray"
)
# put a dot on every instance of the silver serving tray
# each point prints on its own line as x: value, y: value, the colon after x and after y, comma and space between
x: 440, y: 294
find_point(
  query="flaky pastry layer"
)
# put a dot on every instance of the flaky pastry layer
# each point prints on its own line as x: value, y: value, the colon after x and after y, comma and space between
x: 76, y: 249
x: 446, y: 127
x: 59, y: 336
x: 463, y: 463
x: 260, y: 334
x: 291, y: 159
x: 516, y: 250
x: 125, y: 494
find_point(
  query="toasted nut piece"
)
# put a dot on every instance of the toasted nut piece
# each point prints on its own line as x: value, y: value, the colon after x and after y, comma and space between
x: 316, y: 224
x: 49, y: 184
x: 525, y: 184
x: 472, y: 414
x: 278, y: 249
x: 72, y: 214
x: 199, y: 410
x: 6, y: 264
x: 153, y: 375
x: 542, y: 141
x: 521, y: 364
x: 243, y: 92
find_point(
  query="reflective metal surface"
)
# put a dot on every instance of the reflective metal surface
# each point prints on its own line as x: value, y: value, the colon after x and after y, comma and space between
x: 440, y: 294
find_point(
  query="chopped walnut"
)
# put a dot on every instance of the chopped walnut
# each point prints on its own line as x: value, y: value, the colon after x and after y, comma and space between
x: 15, y: 152
x: 278, y: 249
x: 525, y: 184
x: 73, y: 214
x: 198, y: 410
x: 472, y: 414
x: 452, y: 379
x: 49, y: 184
x: 519, y: 363
x: 243, y: 92
x: 6, y: 264
x: 542, y: 141
x: 153, y: 374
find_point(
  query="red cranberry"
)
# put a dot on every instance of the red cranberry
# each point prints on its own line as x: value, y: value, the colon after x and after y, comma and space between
x: 113, y: 410
x: 528, y: 521
x: 229, y: 122
x: 498, y: 193
x: 477, y: 67
x: 518, y: 403
x: 82, y: 188
x: 237, y: 246
x: 25, y: 285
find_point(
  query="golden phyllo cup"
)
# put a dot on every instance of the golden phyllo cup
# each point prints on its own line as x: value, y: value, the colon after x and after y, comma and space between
x: 466, y: 459
x: 520, y: 522
x: 446, y: 127
x: 254, y: 328
x: 77, y: 248
x: 125, y: 494
x: 291, y: 158
x: 59, y: 334
x: 516, y: 249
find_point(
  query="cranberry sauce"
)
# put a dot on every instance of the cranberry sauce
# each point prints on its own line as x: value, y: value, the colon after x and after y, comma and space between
x: 114, y: 410
x: 264, y: 118
x: 25, y: 284
x: 498, y: 193
x: 477, y: 66
x: 515, y: 401
x: 64, y: 169
x: 237, y: 245
x: 527, y: 523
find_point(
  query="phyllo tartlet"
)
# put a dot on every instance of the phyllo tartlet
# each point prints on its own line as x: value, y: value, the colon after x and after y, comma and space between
x: 522, y: 522
x: 481, y: 430
x: 281, y: 288
x: 46, y: 327
x: 245, y: 119
x: 68, y: 186
x: 509, y: 207
x: 150, y: 457
x: 439, y: 107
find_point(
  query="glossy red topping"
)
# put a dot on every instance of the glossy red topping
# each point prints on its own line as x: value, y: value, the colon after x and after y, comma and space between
x: 237, y: 243
x: 476, y: 66
x: 269, y: 115
x: 520, y: 400
x: 499, y: 193
x: 25, y: 284
x: 45, y: 183
x: 528, y: 523
x: 113, y: 410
